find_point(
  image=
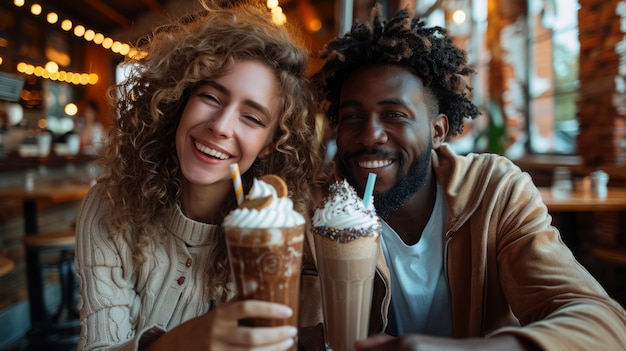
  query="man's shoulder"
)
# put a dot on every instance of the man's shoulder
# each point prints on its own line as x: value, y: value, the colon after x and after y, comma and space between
x: 482, y: 160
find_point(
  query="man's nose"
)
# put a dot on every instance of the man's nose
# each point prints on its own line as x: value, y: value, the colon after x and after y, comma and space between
x: 372, y: 132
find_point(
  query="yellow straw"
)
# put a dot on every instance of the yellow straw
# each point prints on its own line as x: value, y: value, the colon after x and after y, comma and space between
x: 234, y: 172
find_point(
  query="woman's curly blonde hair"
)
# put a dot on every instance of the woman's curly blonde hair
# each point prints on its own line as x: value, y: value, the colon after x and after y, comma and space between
x: 143, y: 178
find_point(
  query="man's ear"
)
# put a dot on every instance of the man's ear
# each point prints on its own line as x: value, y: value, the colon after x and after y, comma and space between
x: 439, y: 126
x: 267, y: 150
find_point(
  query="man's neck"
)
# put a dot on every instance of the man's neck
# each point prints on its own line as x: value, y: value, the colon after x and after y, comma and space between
x: 410, y: 220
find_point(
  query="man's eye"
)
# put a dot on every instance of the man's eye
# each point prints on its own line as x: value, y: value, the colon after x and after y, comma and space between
x: 395, y: 115
x: 348, y: 117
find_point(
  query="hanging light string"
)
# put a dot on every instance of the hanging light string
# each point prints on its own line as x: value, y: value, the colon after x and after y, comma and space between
x: 80, y: 31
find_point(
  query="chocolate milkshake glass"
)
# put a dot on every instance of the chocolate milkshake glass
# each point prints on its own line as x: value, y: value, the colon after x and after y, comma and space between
x: 347, y: 236
x: 264, y: 237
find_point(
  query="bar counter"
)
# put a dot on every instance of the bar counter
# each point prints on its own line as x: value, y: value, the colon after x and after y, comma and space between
x: 14, y: 162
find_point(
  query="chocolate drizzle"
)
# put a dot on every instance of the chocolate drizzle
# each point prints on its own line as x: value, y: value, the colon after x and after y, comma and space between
x: 347, y: 234
x: 342, y: 203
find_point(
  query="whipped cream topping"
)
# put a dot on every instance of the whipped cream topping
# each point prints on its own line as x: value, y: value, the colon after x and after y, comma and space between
x: 279, y: 213
x: 342, y: 215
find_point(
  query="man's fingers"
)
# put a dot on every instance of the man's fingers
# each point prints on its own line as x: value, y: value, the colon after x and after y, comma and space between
x: 371, y: 341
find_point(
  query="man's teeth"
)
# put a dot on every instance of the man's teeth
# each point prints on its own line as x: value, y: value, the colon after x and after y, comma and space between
x: 211, y: 152
x: 374, y: 164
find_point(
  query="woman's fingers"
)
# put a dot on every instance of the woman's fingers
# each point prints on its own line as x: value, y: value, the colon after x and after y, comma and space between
x: 282, y: 346
x: 262, y: 338
x: 248, y: 336
x: 255, y: 309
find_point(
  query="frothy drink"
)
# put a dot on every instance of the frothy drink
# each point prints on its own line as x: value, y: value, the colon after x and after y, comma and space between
x: 267, y: 269
x: 346, y: 238
x: 264, y: 237
x: 347, y: 273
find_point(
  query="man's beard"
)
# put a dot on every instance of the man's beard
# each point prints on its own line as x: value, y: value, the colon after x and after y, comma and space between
x: 394, y: 198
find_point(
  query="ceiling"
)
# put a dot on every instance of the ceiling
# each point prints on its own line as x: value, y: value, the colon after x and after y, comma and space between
x: 107, y: 16
x: 127, y: 20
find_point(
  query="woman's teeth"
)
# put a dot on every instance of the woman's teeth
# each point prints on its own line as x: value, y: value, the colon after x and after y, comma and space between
x: 211, y: 152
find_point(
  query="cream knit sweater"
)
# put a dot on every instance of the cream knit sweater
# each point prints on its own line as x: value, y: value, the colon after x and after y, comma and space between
x: 124, y: 306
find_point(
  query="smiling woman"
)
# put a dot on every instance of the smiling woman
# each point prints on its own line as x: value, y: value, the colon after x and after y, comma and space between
x: 220, y: 86
x: 228, y: 120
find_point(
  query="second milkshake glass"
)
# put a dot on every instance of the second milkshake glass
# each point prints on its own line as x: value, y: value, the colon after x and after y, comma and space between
x: 346, y: 273
x: 347, y: 235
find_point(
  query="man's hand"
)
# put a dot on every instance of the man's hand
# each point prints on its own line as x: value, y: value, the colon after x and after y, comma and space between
x: 417, y: 342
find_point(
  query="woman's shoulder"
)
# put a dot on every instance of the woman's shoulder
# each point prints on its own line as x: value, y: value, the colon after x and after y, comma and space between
x: 94, y: 213
x: 96, y: 200
x: 95, y: 232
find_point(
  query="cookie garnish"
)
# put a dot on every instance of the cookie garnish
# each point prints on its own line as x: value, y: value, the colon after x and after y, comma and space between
x: 277, y: 182
x: 258, y: 203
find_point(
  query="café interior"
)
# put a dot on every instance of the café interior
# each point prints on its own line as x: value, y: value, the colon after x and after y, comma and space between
x: 550, y: 83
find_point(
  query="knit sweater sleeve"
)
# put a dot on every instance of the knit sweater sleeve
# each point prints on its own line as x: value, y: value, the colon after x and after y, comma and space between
x: 108, y: 303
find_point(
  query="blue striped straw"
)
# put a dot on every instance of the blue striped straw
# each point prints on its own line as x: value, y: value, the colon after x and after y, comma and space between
x: 369, y: 189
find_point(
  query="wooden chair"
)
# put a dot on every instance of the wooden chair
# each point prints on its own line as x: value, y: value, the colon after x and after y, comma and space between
x: 615, y: 255
x: 58, y: 329
x: 6, y: 265
x: 612, y: 272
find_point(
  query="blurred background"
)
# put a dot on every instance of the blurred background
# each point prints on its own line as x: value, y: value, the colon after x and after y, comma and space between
x: 534, y: 95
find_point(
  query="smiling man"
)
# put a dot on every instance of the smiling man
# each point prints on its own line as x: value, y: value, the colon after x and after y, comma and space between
x: 470, y: 259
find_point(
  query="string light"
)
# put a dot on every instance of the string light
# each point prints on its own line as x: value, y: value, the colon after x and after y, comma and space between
x: 50, y: 71
x: 66, y: 25
x: 278, y: 17
x: 82, y: 32
x: 52, y: 17
x: 35, y: 9
x: 52, y: 67
x: 79, y: 30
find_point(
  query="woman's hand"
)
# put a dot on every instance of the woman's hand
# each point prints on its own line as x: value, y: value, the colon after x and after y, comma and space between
x: 218, y: 330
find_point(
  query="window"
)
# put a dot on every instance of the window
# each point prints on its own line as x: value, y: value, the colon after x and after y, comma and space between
x: 552, y: 82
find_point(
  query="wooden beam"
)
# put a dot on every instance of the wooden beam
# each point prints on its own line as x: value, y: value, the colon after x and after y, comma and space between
x: 155, y: 6
x: 110, y: 13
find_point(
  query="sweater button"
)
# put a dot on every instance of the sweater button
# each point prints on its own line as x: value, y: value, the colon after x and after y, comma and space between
x: 188, y: 263
x: 180, y: 280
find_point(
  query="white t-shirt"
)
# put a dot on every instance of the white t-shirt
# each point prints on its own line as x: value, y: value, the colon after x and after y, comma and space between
x: 420, y: 299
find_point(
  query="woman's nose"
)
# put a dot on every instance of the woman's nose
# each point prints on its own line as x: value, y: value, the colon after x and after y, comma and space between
x: 224, y: 124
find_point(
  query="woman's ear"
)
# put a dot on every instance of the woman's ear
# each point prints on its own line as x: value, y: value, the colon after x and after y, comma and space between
x: 267, y: 150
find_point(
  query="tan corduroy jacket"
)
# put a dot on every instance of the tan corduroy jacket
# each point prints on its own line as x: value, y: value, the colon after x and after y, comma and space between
x: 508, y: 269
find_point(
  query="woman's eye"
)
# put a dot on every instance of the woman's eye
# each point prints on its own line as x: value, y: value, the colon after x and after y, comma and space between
x: 210, y: 97
x: 254, y: 120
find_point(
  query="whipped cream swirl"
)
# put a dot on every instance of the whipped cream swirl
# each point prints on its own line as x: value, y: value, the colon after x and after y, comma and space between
x: 344, y: 209
x: 279, y: 213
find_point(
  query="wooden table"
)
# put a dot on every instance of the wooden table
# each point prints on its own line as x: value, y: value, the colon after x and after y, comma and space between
x: 585, y: 201
x: 581, y: 201
x: 44, y: 191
